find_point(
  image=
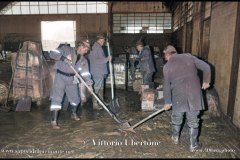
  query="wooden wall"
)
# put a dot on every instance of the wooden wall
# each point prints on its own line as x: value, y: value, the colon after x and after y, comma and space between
x: 218, y: 33
x: 221, y: 48
x: 29, y: 26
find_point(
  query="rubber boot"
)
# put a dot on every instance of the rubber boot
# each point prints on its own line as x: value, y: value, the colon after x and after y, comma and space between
x: 74, y: 115
x: 95, y: 104
x: 175, y: 134
x: 54, y: 116
x: 194, y: 144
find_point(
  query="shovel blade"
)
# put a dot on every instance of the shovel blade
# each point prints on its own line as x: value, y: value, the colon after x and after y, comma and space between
x: 127, y: 127
x: 114, y: 106
x: 24, y: 104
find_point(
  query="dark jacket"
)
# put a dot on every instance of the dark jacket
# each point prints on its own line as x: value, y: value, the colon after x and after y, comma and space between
x: 98, y: 61
x: 81, y: 66
x: 63, y: 51
x: 182, y: 85
x: 146, y: 61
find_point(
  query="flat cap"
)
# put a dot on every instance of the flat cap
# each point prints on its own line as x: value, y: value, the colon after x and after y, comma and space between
x: 84, y: 42
x: 100, y: 36
x: 170, y: 49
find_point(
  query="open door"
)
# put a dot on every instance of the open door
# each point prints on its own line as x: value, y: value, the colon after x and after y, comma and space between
x: 57, y: 32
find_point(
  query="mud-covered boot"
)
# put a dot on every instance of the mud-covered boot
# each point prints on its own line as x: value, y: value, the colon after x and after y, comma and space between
x: 194, y: 144
x: 96, y: 105
x: 175, y: 134
x: 54, y: 116
x: 74, y: 115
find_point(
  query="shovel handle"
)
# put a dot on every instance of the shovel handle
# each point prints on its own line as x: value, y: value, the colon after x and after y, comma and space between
x: 145, y: 119
x: 111, y: 70
x: 26, y: 73
x: 78, y: 75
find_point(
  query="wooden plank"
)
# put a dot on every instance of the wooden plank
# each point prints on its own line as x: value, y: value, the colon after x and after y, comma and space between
x: 234, y: 68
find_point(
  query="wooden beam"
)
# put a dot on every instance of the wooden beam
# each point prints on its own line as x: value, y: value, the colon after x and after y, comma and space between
x: 234, y: 68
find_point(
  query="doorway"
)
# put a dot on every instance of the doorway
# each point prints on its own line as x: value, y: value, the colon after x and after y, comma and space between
x: 54, y: 33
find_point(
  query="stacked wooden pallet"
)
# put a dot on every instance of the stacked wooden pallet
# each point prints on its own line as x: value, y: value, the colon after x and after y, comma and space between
x: 39, y: 80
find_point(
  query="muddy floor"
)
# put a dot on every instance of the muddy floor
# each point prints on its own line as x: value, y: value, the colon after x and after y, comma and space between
x: 98, y: 135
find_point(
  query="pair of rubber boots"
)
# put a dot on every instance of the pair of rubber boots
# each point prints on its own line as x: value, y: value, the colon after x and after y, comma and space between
x: 193, y: 132
x: 54, y: 116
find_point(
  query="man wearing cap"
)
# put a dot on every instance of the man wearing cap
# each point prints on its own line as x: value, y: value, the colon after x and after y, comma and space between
x: 65, y: 79
x: 146, y: 63
x: 98, y: 68
x: 182, y: 91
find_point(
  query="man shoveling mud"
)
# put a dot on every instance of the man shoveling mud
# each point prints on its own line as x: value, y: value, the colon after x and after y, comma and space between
x: 182, y: 92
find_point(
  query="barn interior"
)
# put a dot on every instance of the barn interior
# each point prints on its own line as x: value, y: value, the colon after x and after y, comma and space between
x: 206, y: 29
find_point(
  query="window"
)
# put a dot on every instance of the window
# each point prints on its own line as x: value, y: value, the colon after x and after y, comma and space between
x: 182, y: 14
x: 53, y: 35
x: 54, y: 7
x: 142, y: 22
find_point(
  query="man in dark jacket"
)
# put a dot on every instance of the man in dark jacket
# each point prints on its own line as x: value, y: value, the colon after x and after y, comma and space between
x: 98, y: 68
x: 146, y: 63
x: 182, y: 91
x: 65, y: 79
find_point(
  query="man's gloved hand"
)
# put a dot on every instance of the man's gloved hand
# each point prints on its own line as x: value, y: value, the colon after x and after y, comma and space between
x: 66, y: 60
x: 109, y: 58
x: 205, y: 85
x: 75, y: 80
x: 167, y: 106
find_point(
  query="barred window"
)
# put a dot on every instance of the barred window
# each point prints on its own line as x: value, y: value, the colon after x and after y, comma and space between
x: 54, y: 7
x: 182, y: 14
x: 142, y: 22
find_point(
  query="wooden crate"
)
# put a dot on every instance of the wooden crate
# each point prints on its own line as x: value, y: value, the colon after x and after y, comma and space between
x: 148, y: 98
x: 137, y: 85
x: 143, y: 87
x: 39, y: 77
x: 147, y: 105
x: 37, y: 89
x: 20, y: 73
x: 148, y: 95
x: 19, y: 90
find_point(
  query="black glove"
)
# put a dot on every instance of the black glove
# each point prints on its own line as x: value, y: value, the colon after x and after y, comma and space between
x: 66, y: 60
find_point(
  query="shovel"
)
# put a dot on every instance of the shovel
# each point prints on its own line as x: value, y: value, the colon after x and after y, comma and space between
x: 124, y: 124
x: 114, y: 105
x: 24, y: 104
x: 145, y: 119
